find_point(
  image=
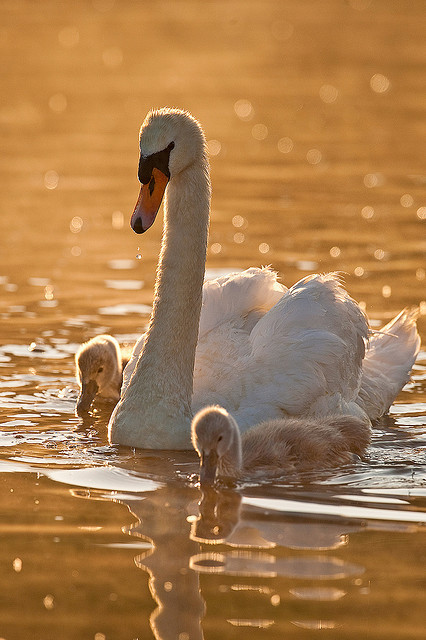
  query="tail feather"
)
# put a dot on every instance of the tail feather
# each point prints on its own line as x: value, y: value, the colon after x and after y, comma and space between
x: 355, y: 432
x: 387, y: 364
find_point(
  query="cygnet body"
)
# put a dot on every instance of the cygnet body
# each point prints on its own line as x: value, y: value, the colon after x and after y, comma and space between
x: 276, y: 446
x: 99, y: 366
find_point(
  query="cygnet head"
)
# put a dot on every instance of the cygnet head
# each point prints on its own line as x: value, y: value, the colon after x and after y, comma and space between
x: 216, y: 438
x: 98, y: 370
x: 170, y: 141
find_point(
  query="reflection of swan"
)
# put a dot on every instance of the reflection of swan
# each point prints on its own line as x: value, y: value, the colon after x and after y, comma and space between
x: 164, y: 520
x: 263, y: 352
x: 273, y: 447
x: 99, y: 370
x: 270, y: 546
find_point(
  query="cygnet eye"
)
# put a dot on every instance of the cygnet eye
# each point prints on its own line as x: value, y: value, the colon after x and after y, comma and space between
x: 220, y: 438
x: 100, y: 369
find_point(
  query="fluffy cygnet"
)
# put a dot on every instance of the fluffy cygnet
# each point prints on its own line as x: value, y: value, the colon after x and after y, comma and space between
x: 99, y: 367
x: 275, y: 446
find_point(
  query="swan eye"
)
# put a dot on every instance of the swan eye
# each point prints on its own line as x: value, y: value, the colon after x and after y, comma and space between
x: 220, y: 438
x: 159, y: 160
x: 100, y: 369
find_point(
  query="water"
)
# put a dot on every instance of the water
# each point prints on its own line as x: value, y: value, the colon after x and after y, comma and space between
x: 314, y: 116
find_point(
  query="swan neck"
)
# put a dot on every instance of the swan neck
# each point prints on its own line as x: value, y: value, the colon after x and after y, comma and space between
x: 167, y: 360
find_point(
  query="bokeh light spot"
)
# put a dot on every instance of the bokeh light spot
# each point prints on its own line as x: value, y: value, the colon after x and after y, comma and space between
x: 379, y: 254
x: 48, y: 602
x: 17, y: 565
x: 420, y: 274
x: 244, y: 110
x: 373, y: 180
x: 48, y: 292
x: 51, y: 179
x: 314, y: 156
x: 259, y: 132
x: 407, y: 200
x: 386, y: 291
x: 285, y: 145
x: 76, y: 224
x: 238, y: 221
x: 379, y: 83
x: 214, y: 147
x: 367, y: 212
x: 328, y: 93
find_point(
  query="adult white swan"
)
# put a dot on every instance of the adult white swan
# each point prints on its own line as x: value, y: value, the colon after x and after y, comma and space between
x: 263, y: 351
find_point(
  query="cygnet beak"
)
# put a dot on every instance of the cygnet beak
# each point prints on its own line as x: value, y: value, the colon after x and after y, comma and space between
x: 87, y: 395
x: 208, y: 467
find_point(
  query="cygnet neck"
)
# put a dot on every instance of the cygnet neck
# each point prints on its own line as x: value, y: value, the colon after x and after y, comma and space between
x: 231, y: 462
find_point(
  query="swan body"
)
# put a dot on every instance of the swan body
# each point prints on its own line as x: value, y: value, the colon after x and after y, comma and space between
x: 98, y: 371
x: 276, y: 446
x: 243, y: 341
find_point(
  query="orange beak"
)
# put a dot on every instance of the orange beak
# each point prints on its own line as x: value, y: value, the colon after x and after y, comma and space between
x: 149, y: 201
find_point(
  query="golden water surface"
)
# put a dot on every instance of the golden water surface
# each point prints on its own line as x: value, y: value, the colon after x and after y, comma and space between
x: 315, y: 116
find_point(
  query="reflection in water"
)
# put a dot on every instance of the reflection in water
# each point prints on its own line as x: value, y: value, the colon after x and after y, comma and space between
x: 219, y: 515
x: 164, y: 518
x: 254, y: 563
x: 222, y: 520
x: 256, y: 544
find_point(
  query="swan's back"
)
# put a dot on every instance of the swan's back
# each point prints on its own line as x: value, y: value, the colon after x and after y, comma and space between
x: 302, y: 356
x: 232, y: 306
x: 240, y: 298
x: 322, y: 330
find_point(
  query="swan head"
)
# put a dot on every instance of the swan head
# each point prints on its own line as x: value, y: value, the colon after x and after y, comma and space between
x: 98, y: 371
x: 170, y: 141
x: 216, y: 438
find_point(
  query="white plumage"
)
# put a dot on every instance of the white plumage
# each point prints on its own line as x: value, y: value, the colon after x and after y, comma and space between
x: 257, y: 349
x: 303, y: 355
